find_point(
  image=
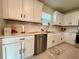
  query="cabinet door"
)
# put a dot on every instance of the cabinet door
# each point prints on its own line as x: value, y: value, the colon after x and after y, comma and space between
x: 12, y: 51
x: 12, y: 9
x: 28, y: 10
x: 50, y: 40
x: 70, y: 38
x: 5, y: 8
x: 58, y: 38
x: 75, y: 18
x: 67, y: 19
x: 53, y: 39
x: 29, y: 47
x: 57, y: 18
x: 37, y: 11
x: 0, y: 8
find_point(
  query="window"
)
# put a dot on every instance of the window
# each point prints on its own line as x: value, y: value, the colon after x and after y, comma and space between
x: 46, y: 18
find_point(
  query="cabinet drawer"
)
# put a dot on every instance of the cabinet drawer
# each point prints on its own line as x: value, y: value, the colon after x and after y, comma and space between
x: 29, y: 37
x: 10, y: 40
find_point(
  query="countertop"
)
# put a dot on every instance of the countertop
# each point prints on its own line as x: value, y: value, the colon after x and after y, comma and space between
x: 25, y: 34
x: 30, y: 34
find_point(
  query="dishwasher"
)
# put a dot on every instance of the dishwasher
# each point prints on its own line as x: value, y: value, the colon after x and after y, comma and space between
x: 40, y: 43
x: 77, y: 40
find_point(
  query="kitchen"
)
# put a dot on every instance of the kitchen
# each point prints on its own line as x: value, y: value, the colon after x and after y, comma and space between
x: 38, y: 29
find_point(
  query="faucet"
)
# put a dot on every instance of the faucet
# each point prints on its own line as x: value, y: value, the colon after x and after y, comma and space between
x: 45, y: 28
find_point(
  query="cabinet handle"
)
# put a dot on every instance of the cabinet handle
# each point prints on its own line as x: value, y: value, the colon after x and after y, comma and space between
x: 24, y: 16
x: 21, y: 15
x: 23, y: 50
x: 19, y: 51
x: 22, y: 39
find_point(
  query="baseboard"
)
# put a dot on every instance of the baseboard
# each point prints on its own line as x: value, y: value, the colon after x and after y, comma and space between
x: 69, y: 43
x: 58, y: 43
x: 64, y: 42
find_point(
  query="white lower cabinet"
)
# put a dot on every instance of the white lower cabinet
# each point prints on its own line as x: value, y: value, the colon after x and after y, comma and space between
x: 50, y: 40
x: 11, y: 51
x: 16, y: 47
x: 53, y: 39
x: 29, y: 46
x: 69, y: 38
x: 10, y: 48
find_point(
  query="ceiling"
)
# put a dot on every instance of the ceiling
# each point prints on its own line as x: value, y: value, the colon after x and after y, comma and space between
x: 62, y: 5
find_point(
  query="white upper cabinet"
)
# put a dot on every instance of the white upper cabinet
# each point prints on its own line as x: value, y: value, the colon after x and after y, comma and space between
x: 5, y: 9
x: 12, y: 9
x: 15, y: 9
x: 67, y: 19
x: 28, y: 10
x: 23, y: 10
x: 38, y: 6
x: 71, y: 19
x: 0, y: 8
x: 18, y: 9
x: 57, y: 18
x: 75, y: 18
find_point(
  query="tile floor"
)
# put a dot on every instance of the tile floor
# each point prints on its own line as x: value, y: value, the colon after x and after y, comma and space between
x: 62, y: 51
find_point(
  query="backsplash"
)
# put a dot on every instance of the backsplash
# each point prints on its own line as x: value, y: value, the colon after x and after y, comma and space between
x: 29, y: 27
x: 54, y: 28
x: 2, y: 25
x: 71, y: 29
x: 32, y: 27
